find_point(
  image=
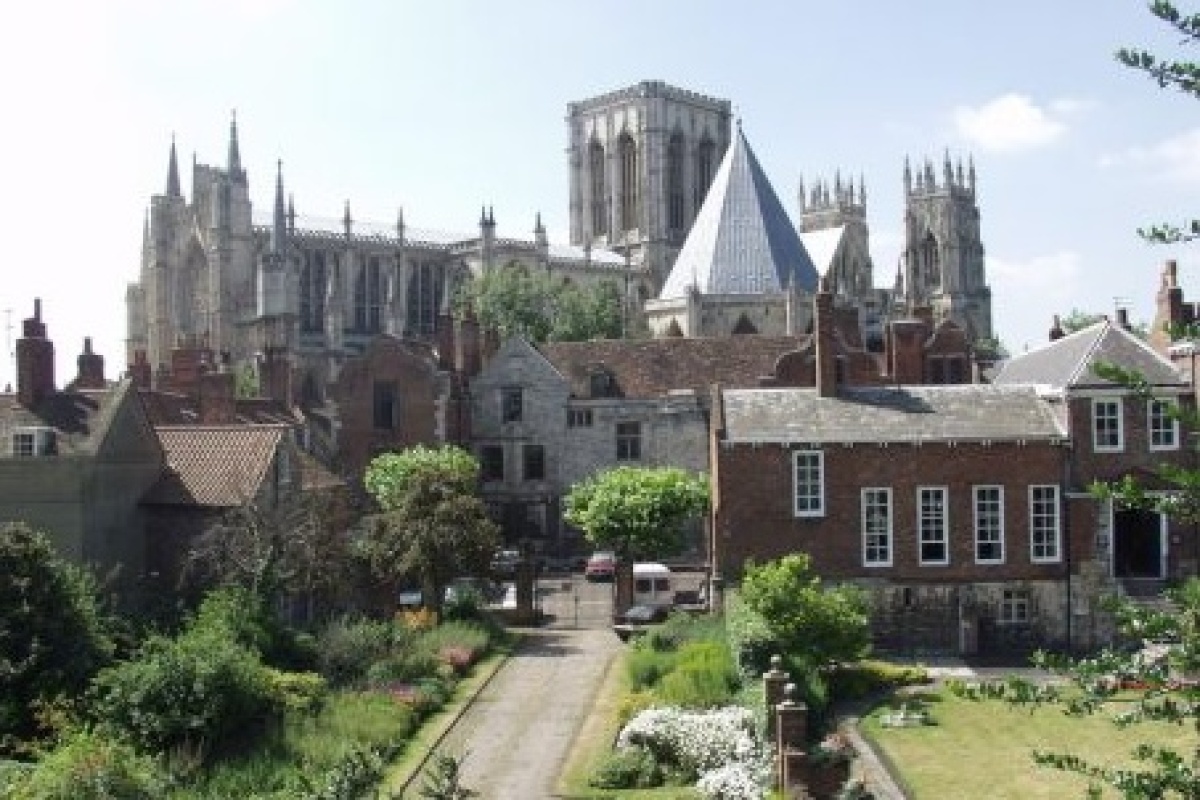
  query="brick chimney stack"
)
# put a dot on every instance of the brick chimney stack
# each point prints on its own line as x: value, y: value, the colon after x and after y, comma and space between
x: 91, y: 368
x: 1123, y: 318
x: 823, y: 330
x: 35, y: 361
x: 275, y: 377
x: 140, y: 370
x: 468, y: 356
x: 1056, y: 329
x: 217, y: 399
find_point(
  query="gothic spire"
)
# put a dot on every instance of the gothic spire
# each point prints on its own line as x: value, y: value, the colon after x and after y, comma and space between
x: 279, y: 222
x: 400, y: 223
x: 173, y: 173
x: 235, y: 156
x: 800, y: 194
x: 907, y: 176
x: 347, y: 220
x: 291, y: 213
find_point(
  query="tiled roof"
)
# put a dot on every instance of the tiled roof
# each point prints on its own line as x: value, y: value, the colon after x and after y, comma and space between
x: 653, y: 367
x: 1069, y: 362
x: 971, y: 412
x: 215, y: 465
x: 742, y: 241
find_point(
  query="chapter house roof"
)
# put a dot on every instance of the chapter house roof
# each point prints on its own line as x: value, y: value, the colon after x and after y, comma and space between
x: 648, y: 368
x: 742, y: 241
x: 1069, y: 362
x: 893, y: 414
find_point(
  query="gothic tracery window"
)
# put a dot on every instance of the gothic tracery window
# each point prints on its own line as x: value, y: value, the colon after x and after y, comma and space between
x: 368, y: 297
x: 930, y: 266
x: 705, y: 167
x: 598, y: 202
x: 312, y: 291
x: 629, y: 183
x: 675, y: 210
x: 424, y: 298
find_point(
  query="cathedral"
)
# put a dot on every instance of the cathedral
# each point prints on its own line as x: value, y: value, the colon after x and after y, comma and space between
x: 667, y: 200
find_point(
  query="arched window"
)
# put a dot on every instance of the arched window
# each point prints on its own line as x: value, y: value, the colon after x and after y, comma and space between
x: 368, y: 297
x: 928, y: 259
x: 598, y: 198
x: 675, y: 212
x: 312, y: 291
x: 629, y: 183
x: 706, y: 154
x: 424, y: 298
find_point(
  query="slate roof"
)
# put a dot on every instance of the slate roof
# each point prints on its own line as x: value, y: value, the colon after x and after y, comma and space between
x: 649, y: 368
x: 1067, y: 363
x: 904, y: 414
x: 214, y: 465
x: 742, y: 241
x: 174, y: 408
x: 81, y: 417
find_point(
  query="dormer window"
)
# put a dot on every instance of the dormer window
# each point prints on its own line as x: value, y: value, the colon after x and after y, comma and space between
x: 33, y: 442
x: 600, y: 383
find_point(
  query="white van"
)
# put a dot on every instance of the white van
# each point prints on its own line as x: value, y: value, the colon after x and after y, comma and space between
x: 652, y: 585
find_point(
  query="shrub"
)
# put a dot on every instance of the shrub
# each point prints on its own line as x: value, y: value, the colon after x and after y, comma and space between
x: 53, y: 636
x: 302, y: 692
x: 750, y: 637
x: 647, y: 666
x: 682, y: 628
x: 471, y: 636
x: 704, y: 676
x: 90, y: 766
x: 347, y: 648
x: 194, y: 691
x: 862, y: 678
x: 633, y: 704
x: 627, y: 768
x: 404, y: 666
x: 694, y: 742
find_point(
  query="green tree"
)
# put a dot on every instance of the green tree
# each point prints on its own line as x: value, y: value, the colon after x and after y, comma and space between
x: 815, y: 625
x: 638, y: 512
x: 53, y: 635
x: 1169, y: 73
x: 541, y: 307
x: 296, y: 545
x: 432, y: 523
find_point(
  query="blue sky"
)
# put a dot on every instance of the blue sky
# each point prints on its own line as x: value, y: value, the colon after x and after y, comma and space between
x: 440, y: 107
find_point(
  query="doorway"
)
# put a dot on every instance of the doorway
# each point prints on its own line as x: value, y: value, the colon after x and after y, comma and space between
x: 1137, y: 543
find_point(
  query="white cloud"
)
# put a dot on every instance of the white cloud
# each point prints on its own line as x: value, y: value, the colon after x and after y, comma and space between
x: 1036, y: 288
x: 1013, y: 122
x: 1174, y: 159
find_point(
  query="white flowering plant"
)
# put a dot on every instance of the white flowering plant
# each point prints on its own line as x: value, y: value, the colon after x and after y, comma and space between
x: 718, y: 748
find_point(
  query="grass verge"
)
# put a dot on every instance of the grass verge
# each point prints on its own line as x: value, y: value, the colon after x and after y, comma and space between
x: 594, y: 740
x: 984, y: 748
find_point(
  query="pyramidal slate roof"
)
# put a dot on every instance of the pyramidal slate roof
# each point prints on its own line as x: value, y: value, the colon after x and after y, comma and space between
x: 1069, y: 362
x: 742, y: 241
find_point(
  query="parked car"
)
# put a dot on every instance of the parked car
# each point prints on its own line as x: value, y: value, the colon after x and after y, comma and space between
x: 504, y: 563
x: 601, y: 566
x: 637, y: 620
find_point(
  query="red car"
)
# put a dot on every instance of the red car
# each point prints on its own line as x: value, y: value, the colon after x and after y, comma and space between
x: 600, y: 566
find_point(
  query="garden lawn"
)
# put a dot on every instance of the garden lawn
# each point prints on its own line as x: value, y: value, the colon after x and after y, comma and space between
x: 983, y: 749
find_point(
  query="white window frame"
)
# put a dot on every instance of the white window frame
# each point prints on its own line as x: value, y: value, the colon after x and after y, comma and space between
x: 1042, y: 535
x: 1161, y: 425
x: 1118, y: 416
x: 1015, y: 607
x: 989, y: 527
x: 813, y: 484
x: 24, y: 443
x: 932, y: 530
x: 877, y: 539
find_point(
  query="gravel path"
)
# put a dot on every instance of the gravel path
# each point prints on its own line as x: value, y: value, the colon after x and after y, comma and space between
x: 516, y: 735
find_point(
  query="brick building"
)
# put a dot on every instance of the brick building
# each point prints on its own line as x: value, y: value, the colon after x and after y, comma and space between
x: 964, y: 510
